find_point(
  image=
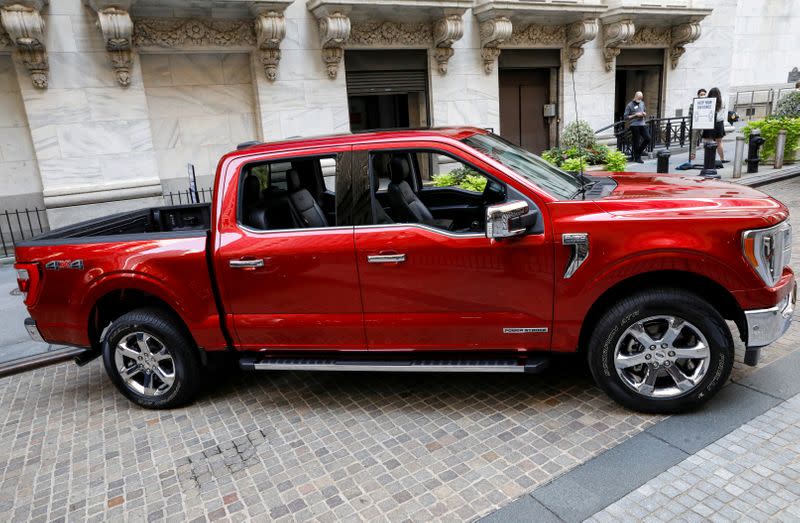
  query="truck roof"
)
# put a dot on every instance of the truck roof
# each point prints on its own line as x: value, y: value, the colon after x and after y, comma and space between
x: 455, y: 133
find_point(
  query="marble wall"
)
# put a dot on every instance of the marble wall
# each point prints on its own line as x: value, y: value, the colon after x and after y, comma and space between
x: 200, y: 107
x: 19, y: 172
x: 465, y: 95
x: 303, y: 101
x: 91, y: 137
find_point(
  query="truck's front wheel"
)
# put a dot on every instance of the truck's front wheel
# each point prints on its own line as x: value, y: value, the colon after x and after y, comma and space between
x: 661, y: 351
x: 150, y: 360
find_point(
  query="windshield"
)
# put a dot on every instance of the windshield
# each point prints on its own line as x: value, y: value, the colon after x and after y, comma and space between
x: 550, y: 178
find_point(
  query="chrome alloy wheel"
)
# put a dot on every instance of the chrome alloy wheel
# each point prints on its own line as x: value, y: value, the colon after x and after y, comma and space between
x: 144, y: 364
x: 662, y: 357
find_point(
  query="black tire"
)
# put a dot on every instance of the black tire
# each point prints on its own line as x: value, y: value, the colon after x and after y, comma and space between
x: 660, y: 302
x: 166, y: 330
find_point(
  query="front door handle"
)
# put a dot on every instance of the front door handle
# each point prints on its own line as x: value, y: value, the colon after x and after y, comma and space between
x: 246, y: 264
x: 386, y: 258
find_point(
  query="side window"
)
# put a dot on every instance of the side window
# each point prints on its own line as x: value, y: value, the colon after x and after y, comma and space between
x: 289, y: 193
x: 438, y: 170
x: 407, y: 188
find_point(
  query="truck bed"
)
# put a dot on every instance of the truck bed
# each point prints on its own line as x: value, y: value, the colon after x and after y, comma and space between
x: 153, y: 222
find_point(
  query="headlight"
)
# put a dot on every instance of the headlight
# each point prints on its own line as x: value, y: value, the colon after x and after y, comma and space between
x: 769, y: 250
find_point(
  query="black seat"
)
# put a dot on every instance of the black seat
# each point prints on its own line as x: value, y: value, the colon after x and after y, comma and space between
x: 254, y: 210
x: 306, y: 209
x: 406, y: 206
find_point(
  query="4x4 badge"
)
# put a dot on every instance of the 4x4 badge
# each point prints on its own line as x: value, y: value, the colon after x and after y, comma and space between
x: 57, y: 265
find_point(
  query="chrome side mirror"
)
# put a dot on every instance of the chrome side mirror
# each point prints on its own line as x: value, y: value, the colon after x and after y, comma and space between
x: 502, y: 219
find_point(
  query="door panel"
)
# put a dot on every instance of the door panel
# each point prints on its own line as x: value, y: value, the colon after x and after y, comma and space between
x: 306, y: 294
x: 454, y: 291
x: 523, y: 93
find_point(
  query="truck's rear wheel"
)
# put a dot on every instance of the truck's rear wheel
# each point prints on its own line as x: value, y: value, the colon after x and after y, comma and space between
x: 150, y: 360
x: 661, y: 351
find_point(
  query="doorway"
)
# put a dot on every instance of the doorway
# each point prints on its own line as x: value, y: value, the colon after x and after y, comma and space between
x: 528, y: 93
x: 387, y: 89
x: 639, y: 70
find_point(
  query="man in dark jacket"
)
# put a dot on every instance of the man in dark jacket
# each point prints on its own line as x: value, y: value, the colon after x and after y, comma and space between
x: 635, y: 113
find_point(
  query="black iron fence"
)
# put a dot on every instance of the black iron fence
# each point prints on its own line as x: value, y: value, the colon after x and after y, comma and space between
x: 18, y: 225
x: 664, y: 133
x: 188, y: 196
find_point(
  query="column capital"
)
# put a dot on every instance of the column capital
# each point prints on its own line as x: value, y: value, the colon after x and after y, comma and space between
x: 23, y: 23
x: 494, y: 32
x: 616, y: 34
x: 680, y: 35
x: 446, y: 31
x: 578, y: 34
x: 334, y: 30
x: 117, y: 28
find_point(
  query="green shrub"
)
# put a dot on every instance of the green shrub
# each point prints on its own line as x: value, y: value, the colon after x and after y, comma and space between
x: 616, y: 161
x: 462, y: 177
x: 553, y: 156
x: 595, y: 155
x: 578, y: 134
x: 598, y: 155
x: 574, y: 164
x: 789, y: 105
x: 769, y: 131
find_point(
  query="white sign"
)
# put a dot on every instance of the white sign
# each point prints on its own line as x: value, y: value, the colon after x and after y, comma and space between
x: 704, y: 113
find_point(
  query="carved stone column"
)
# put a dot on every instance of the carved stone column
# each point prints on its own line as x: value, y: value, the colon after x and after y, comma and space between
x: 615, y: 35
x: 117, y: 28
x: 334, y: 30
x: 25, y: 28
x: 270, y: 30
x: 680, y: 36
x: 446, y: 31
x: 578, y: 34
x: 493, y: 33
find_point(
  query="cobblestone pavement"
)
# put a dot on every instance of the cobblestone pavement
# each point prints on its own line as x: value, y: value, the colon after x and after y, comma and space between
x: 300, y: 446
x: 752, y: 474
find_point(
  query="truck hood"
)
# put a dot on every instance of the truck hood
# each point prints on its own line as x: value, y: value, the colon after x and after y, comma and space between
x: 646, y: 194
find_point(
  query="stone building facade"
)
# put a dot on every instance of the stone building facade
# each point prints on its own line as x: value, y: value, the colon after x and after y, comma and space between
x: 104, y: 102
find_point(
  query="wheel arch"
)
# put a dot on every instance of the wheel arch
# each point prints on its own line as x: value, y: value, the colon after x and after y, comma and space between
x: 117, y: 302
x: 717, y: 295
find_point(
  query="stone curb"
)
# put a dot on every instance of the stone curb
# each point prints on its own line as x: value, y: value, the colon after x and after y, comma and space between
x: 585, y: 490
x: 757, y: 180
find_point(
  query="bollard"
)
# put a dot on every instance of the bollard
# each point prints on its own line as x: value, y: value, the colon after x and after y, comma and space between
x: 738, y: 157
x: 756, y: 141
x: 710, y: 160
x: 663, y: 161
x: 780, y: 148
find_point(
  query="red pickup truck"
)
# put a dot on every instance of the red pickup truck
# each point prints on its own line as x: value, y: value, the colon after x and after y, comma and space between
x: 422, y: 250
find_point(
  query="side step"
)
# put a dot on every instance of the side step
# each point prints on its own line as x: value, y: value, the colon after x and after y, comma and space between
x: 532, y: 365
x: 46, y: 359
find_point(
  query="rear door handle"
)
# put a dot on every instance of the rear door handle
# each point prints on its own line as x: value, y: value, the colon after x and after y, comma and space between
x: 386, y: 258
x: 246, y: 264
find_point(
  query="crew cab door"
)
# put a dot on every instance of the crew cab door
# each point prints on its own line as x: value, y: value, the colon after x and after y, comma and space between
x: 444, y: 285
x: 287, y: 275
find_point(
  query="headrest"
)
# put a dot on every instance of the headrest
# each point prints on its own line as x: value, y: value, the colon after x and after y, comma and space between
x: 399, y: 168
x: 292, y: 180
x: 251, y: 192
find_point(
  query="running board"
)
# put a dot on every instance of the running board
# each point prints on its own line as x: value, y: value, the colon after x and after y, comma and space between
x: 533, y: 365
x: 37, y: 361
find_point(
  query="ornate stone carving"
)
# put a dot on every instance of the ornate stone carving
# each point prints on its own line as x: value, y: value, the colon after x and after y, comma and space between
x: 493, y: 33
x: 5, y: 40
x: 650, y: 36
x: 578, y: 34
x: 25, y: 28
x: 446, y: 31
x: 194, y: 32
x: 117, y: 28
x: 334, y: 30
x: 390, y: 33
x: 536, y: 35
x: 270, y: 29
x: 680, y: 36
x: 615, y: 35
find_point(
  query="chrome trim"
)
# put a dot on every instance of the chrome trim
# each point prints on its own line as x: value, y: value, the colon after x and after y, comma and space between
x: 579, y: 243
x: 246, y: 264
x: 422, y: 226
x: 498, y: 218
x: 524, y: 330
x: 764, y: 326
x: 33, y: 330
x: 344, y: 366
x: 386, y: 258
x: 294, y: 229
